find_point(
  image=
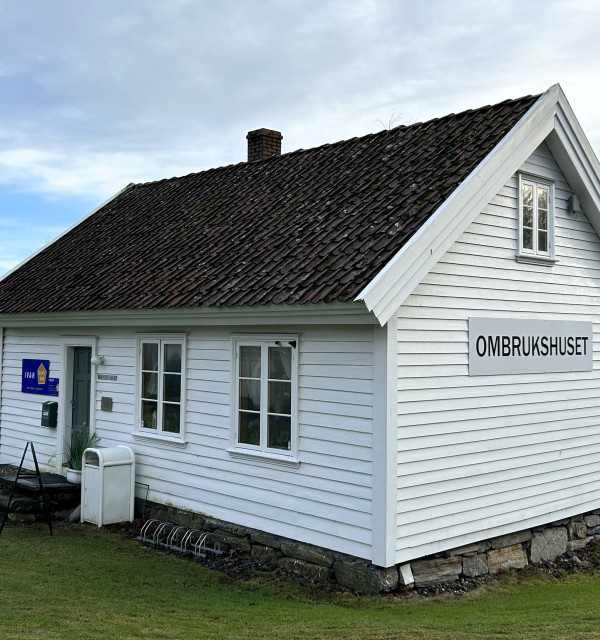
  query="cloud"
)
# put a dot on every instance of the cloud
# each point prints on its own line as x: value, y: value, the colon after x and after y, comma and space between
x: 96, y: 95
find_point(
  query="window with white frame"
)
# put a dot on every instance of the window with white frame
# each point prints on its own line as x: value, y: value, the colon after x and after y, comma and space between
x: 161, y: 365
x: 265, y: 419
x: 536, y: 218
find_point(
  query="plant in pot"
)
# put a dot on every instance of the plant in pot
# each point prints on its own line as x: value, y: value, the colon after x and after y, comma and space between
x: 80, y: 441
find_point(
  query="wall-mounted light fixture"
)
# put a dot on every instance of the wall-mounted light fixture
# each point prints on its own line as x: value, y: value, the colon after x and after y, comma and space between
x: 96, y: 360
x: 573, y: 205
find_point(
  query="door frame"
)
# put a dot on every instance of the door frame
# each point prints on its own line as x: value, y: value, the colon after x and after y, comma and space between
x: 66, y: 394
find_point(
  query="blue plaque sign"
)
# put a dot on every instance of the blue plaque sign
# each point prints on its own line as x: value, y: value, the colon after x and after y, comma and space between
x: 35, y: 378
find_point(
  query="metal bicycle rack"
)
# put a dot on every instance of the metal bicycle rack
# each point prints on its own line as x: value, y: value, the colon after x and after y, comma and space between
x: 179, y: 538
x: 175, y: 537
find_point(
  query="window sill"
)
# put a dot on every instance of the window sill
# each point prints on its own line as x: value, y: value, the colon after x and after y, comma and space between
x: 530, y: 258
x: 264, y: 458
x: 160, y: 440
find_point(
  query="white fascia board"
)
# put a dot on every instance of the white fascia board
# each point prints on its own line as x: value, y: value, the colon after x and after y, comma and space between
x: 337, y: 313
x: 577, y: 160
x: 64, y: 233
x: 389, y: 289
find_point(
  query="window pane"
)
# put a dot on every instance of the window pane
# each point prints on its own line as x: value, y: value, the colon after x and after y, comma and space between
x: 528, y: 217
x: 542, y: 198
x: 543, y: 241
x: 149, y: 410
x: 173, y: 358
x: 280, y: 363
x: 542, y: 220
x: 150, y: 356
x: 172, y: 387
x: 527, y: 195
x: 527, y: 239
x: 171, y: 418
x: 249, y: 428
x: 150, y: 385
x: 280, y: 400
x: 279, y: 433
x: 250, y: 395
x: 250, y: 362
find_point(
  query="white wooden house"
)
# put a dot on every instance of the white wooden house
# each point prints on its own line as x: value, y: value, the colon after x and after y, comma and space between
x: 285, y: 343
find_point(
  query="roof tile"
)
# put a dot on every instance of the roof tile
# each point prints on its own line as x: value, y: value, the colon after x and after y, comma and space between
x: 314, y: 225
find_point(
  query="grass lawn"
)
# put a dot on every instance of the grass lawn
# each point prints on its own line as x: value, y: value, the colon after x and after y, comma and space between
x: 86, y: 583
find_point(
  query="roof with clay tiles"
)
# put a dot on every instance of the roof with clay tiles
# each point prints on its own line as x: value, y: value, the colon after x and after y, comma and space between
x: 309, y: 226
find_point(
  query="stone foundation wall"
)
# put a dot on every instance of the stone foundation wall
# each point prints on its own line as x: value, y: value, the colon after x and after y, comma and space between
x: 319, y: 565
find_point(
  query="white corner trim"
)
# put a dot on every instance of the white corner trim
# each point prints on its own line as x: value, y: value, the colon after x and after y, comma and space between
x: 385, y: 444
x: 68, y: 230
x: 388, y: 290
x: 1, y: 366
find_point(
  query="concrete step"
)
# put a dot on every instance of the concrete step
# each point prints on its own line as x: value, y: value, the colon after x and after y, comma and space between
x: 53, y: 483
x: 61, y: 495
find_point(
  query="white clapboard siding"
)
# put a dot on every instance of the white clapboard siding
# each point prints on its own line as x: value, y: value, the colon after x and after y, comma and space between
x: 485, y: 455
x: 22, y: 412
x: 326, y: 500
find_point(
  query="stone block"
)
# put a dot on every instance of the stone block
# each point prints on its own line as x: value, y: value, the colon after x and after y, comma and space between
x: 548, y: 544
x: 231, y: 540
x: 188, y: 519
x: 211, y: 524
x: 265, y: 539
x: 22, y: 517
x: 388, y: 578
x: 575, y: 545
x: 405, y: 575
x: 306, y: 569
x: 307, y: 552
x: 21, y: 504
x: 513, y: 557
x: 436, y: 571
x: 592, y: 521
x: 264, y: 554
x: 483, y: 546
x: 365, y: 579
x: 511, y: 539
x: 461, y: 551
x: 577, y: 530
x: 473, y: 566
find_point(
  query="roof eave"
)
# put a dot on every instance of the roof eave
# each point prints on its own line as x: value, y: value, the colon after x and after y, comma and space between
x: 297, y: 315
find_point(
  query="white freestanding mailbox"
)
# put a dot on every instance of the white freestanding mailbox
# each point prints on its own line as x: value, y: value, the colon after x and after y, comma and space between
x: 108, y: 485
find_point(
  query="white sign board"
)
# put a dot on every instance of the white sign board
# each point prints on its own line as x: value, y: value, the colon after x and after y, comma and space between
x: 514, y: 345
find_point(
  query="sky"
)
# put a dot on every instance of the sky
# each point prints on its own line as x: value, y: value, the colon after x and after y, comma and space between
x: 95, y: 95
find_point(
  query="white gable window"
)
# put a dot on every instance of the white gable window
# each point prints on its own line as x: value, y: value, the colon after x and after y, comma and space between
x: 161, y: 387
x: 536, y: 220
x: 265, y: 413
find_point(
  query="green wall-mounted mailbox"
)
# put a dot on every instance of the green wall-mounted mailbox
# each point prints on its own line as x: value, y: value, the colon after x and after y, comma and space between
x: 49, y: 414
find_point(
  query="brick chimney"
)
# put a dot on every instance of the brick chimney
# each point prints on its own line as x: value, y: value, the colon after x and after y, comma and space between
x: 263, y: 143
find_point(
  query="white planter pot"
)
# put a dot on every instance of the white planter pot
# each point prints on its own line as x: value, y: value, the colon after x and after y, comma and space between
x: 73, y: 476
